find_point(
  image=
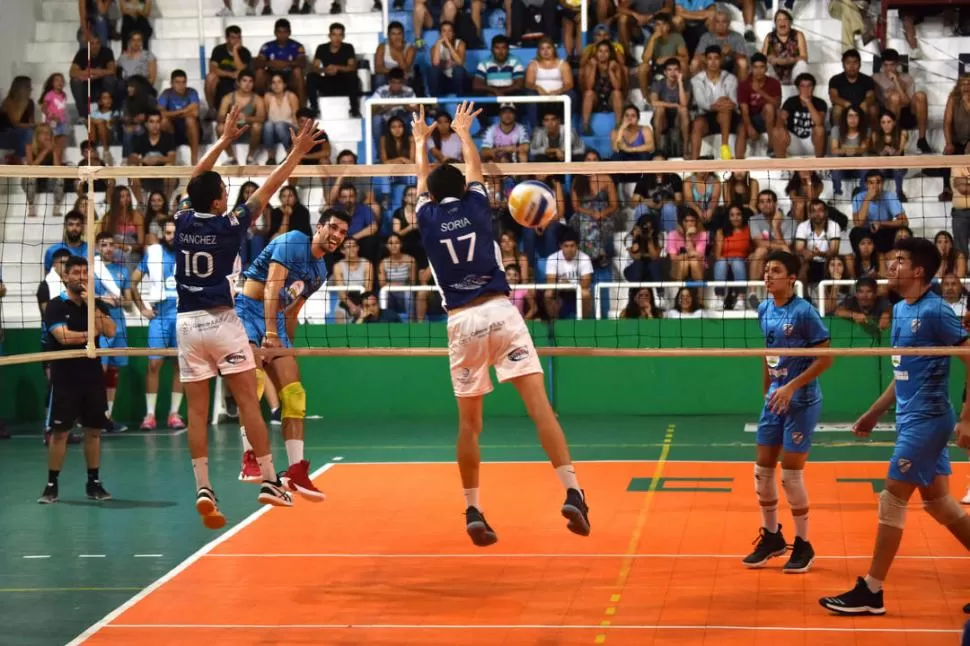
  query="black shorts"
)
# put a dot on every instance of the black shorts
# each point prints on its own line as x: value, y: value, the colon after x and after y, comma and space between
x: 181, y: 134
x: 78, y: 400
x: 713, y: 127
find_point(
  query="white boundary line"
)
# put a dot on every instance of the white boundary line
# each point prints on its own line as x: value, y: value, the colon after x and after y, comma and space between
x: 178, y: 569
x: 451, y: 461
x: 346, y: 555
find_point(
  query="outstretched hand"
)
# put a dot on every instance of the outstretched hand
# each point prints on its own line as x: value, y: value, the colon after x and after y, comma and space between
x: 307, y: 138
x: 464, y: 116
x: 420, y: 129
x: 233, y: 130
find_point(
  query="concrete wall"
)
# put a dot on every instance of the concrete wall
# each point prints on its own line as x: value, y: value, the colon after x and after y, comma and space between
x: 16, y: 30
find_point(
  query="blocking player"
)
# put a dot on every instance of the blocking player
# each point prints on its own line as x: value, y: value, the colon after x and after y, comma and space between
x: 484, y: 328
x: 924, y: 420
x: 793, y: 405
x: 158, y: 265
x: 118, y: 273
x: 77, y: 385
x: 278, y: 282
x: 211, y: 338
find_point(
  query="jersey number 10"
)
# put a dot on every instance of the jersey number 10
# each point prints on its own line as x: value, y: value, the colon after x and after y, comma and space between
x: 451, y: 247
x: 199, y: 264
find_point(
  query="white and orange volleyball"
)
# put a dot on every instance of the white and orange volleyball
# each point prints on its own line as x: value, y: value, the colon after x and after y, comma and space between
x: 533, y: 204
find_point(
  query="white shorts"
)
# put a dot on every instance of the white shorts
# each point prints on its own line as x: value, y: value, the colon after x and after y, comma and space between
x: 490, y: 334
x: 798, y: 147
x: 210, y: 343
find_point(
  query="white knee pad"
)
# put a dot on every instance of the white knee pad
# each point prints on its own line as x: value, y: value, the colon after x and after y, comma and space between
x: 892, y: 510
x: 793, y: 482
x: 764, y: 483
x: 945, y: 510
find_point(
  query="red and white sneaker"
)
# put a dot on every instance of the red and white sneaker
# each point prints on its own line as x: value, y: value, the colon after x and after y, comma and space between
x: 297, y: 478
x: 250, y: 471
x: 148, y: 424
x: 175, y: 422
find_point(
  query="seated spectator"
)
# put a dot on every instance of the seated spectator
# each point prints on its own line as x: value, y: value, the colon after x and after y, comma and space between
x: 740, y: 189
x: 570, y: 266
x: 770, y: 230
x: 960, y: 214
x: 135, y: 18
x: 601, y: 34
x: 634, y: 19
x: 595, y: 203
x: 687, y: 248
x: 89, y: 157
x: 572, y: 35
x: 134, y: 112
x: 877, y: 211
x: 282, y: 107
x: 955, y: 295
x: 716, y: 95
x: 319, y: 155
x: 702, y: 193
x: 759, y: 99
x: 252, y: 111
x: 641, y: 305
x: 541, y: 244
x: 849, y: 139
x: 135, y: 60
x: 95, y: 18
x: 179, y: 106
x: 664, y: 44
x: 73, y: 240
x: 447, y: 74
x: 100, y: 71
x: 511, y: 256
x: 53, y: 105
x: 444, y: 143
x: 531, y: 20
x: 397, y: 144
x: 364, y: 221
x: 896, y: 92
x: 225, y: 64
x: 631, y: 141
x: 506, y: 141
x: 732, y: 246
x: 835, y: 270
x: 733, y: 47
x: 371, y: 312
x: 397, y: 269
x: 852, y: 88
x: 693, y: 18
x: 352, y: 271
x: 803, y: 187
x: 127, y: 224
x: 643, y: 244
x: 43, y: 152
x: 524, y: 299
x: 687, y: 305
x: 953, y: 261
x: 657, y: 197
x: 816, y: 241
x: 786, y: 49
x: 889, y: 140
x: 499, y: 75
x: 395, y: 89
x: 602, y: 83
x: 394, y: 53
x: 866, y: 261
x: 153, y: 148
x: 405, y: 225
x: 103, y: 119
x: 290, y: 215
x: 956, y: 128
x: 548, y: 75
x: 800, y: 130
x: 856, y: 18
x: 549, y: 142
x: 366, y: 192
x: 866, y: 307
x: 424, y: 17
x: 288, y: 57
x: 670, y: 99
x: 499, y: 187
x: 156, y: 212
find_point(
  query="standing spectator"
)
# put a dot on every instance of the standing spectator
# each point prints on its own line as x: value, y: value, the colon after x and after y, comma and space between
x: 101, y: 74
x: 849, y: 139
x: 896, y: 92
x: 602, y: 83
x: 53, y: 105
x: 282, y: 107
x: 549, y: 141
x: 759, y: 99
x: 286, y: 56
x: 889, y: 140
x: 665, y: 43
x: 732, y: 246
x: 786, y: 49
x: 335, y: 71
x: 179, y: 106
x: 548, y: 75
x: 733, y: 47
x: 634, y: 19
x: 960, y: 213
x: 499, y: 75
x: 153, y: 148
x: 716, y: 94
x: 394, y: 53
x: 252, y: 111
x: 571, y: 266
x: 135, y: 16
x: 953, y: 261
x: 506, y: 141
x: 135, y: 60
x: 853, y: 88
x: 73, y: 240
x: 447, y: 74
x: 43, y: 151
x: 878, y: 212
x: 670, y: 100
x: 872, y: 312
x: 227, y: 60
x: 800, y: 130
x: 116, y: 298
x: 816, y: 241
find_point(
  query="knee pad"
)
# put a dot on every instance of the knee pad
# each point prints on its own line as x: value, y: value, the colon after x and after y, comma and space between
x: 945, y: 510
x: 892, y: 510
x: 764, y: 483
x: 111, y: 377
x: 260, y: 384
x: 793, y: 482
x: 293, y: 401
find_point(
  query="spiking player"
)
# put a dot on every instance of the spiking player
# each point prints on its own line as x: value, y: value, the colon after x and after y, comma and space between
x: 484, y: 328
x: 211, y: 339
x: 793, y: 404
x: 924, y: 420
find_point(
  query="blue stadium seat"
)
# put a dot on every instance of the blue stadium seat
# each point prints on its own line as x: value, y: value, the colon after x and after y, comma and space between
x: 540, y: 271
x: 602, y: 124
x: 602, y: 145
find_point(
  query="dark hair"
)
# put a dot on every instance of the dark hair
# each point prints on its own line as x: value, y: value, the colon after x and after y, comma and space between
x: 866, y: 281
x: 334, y: 26
x: 74, y: 215
x: 726, y: 227
x: 950, y: 259
x: 396, y: 74
x: 851, y: 53
x: 873, y: 173
x: 785, y: 13
x: 662, y: 16
x: 204, y: 189
x: 283, y: 23
x: 695, y: 303
x: 789, y: 260
x: 770, y: 193
x: 246, y: 72
x: 242, y: 191
x: 104, y: 235
x: 504, y: 40
x: 568, y: 234
x: 345, y: 152
x: 233, y: 30
x: 445, y: 22
x: 61, y: 253
x: 673, y: 61
x: 890, y: 56
x: 395, y: 24
x: 347, y: 186
x: 178, y: 74
x: 874, y: 258
x: 446, y: 181
x: 632, y: 310
x: 712, y: 49
x: 393, y: 146
x: 149, y: 215
x: 340, y: 214
x: 863, y: 123
x: 152, y: 112
x: 812, y: 204
x: 306, y: 113
x: 758, y: 57
x: 75, y: 261
x: 805, y: 76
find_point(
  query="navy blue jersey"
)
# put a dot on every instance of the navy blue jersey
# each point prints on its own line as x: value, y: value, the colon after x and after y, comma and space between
x: 206, y: 249
x: 795, y: 324
x: 457, y: 236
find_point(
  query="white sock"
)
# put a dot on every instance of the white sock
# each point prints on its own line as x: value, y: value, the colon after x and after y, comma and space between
x: 245, y: 440
x: 801, y: 526
x: 173, y: 408
x: 200, y: 466
x: 874, y: 585
x: 567, y: 476
x: 266, y: 467
x: 150, y: 399
x: 471, y: 498
x: 111, y: 406
x: 294, y: 451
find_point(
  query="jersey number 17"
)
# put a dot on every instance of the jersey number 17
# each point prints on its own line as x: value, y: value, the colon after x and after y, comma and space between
x: 447, y: 242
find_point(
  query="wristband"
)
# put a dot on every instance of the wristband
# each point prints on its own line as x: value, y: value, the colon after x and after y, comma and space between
x: 273, y: 335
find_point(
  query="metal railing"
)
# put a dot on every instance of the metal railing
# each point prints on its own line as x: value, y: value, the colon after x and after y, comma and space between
x: 825, y: 284
x: 749, y: 284
x: 387, y: 290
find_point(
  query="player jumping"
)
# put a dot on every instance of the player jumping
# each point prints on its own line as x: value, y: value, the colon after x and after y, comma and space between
x: 924, y: 420
x: 793, y: 404
x: 484, y: 327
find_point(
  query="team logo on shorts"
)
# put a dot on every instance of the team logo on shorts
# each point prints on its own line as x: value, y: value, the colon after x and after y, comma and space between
x: 463, y: 376
x: 897, y: 360
x: 235, y: 357
x: 518, y: 354
x: 904, y: 465
x: 914, y: 326
x: 797, y: 437
x: 772, y: 361
x: 788, y: 329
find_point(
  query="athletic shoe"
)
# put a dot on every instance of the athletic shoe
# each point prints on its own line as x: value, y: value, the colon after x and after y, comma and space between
x: 726, y: 152
x: 966, y: 498
x: 96, y: 491
x: 576, y: 512
x: 225, y: 12
x: 49, y: 497
x: 801, y: 559
x: 273, y: 493
x: 478, y: 528
x: 965, y: 640
x: 274, y: 417
x: 860, y: 600
x: 175, y: 422
x: 767, y: 545
x: 208, y: 508
x: 250, y: 471
x: 148, y: 424
x: 297, y: 478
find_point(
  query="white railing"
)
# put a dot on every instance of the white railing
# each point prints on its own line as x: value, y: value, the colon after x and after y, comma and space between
x: 384, y: 294
x: 825, y: 284
x: 749, y: 284
x: 308, y: 314
x: 559, y: 98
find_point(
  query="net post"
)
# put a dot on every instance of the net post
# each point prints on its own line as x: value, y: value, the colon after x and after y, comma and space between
x: 86, y: 175
x: 199, y: 10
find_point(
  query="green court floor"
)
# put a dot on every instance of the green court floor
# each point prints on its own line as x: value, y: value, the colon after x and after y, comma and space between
x: 63, y: 567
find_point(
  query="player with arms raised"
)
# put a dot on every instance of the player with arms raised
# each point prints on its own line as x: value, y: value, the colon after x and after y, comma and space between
x: 484, y: 328
x: 793, y: 404
x: 924, y: 420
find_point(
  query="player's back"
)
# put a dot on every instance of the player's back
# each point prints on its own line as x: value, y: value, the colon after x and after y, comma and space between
x: 795, y: 324
x: 457, y: 236
x: 206, y: 248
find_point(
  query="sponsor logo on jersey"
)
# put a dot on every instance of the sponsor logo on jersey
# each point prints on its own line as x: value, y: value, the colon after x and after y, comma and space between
x: 897, y: 360
x: 469, y: 283
x: 788, y: 329
x: 772, y: 361
x: 518, y: 354
x: 914, y: 326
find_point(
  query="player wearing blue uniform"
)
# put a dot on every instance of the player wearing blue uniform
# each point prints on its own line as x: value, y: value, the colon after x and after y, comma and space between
x: 117, y: 298
x: 924, y: 420
x: 793, y: 404
x: 485, y: 328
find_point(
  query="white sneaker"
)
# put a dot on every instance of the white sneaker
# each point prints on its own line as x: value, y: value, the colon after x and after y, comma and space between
x: 916, y: 54
x: 225, y: 12
x: 966, y: 499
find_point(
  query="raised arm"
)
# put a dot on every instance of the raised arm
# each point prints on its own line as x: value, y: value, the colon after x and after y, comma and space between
x: 231, y: 132
x: 420, y: 130
x: 303, y: 142
x: 462, y: 125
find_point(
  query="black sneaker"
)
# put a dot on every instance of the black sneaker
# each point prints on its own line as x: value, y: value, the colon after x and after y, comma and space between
x: 267, y: 10
x: 294, y: 9
x: 860, y: 600
x: 273, y: 493
x: 478, y: 528
x: 334, y: 8
x: 767, y: 545
x: 924, y: 146
x: 801, y: 559
x: 208, y: 508
x: 576, y: 511
x: 49, y: 497
x: 96, y: 491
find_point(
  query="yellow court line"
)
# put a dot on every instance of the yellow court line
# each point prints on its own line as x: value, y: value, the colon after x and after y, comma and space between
x: 637, y: 534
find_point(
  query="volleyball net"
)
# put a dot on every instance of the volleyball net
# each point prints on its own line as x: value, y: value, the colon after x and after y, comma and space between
x: 658, y: 257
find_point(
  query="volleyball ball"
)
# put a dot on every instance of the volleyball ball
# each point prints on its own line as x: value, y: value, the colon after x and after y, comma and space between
x: 533, y: 204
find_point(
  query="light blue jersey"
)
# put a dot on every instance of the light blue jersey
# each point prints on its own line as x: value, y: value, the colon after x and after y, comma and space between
x: 119, y: 273
x: 158, y: 266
